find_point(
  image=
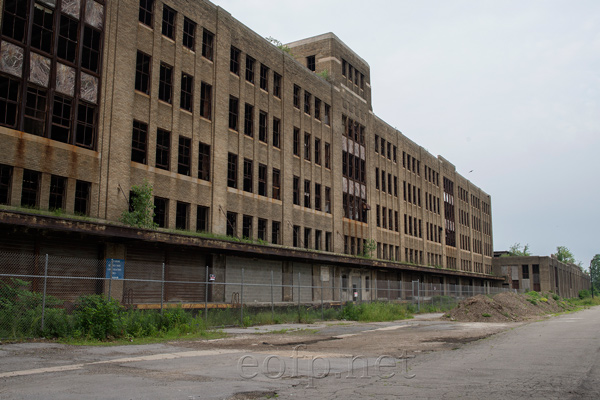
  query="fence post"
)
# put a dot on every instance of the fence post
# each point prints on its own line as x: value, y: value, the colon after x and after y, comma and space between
x: 162, y: 288
x: 110, y: 280
x: 44, y: 296
x: 389, y: 295
x: 322, y: 312
x: 299, y: 316
x: 272, y: 302
x: 242, y: 300
x: 206, y: 296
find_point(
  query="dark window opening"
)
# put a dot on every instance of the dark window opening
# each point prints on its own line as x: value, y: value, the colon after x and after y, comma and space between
x: 249, y: 120
x: 82, y: 197
x: 204, y: 162
x: 297, y: 96
x: 90, y: 53
x: 296, y: 142
x: 206, y: 100
x: 234, y: 61
x: 58, y: 186
x: 311, y: 63
x: 146, y: 12
x: 262, y: 229
x: 207, y: 44
x: 187, y: 90
x: 160, y: 212
x: 61, y: 119
x: 276, y: 132
x: 30, y: 189
x: 318, y: 108
x: 264, y: 77
x: 318, y: 196
x: 168, y: 22
x: 14, y: 19
x: 307, y: 101
x: 165, y: 84
x: 232, y: 170
x: 262, y: 127
x: 184, y: 160
x: 233, y: 113
x: 306, y: 146
x: 42, y: 27
x: 277, y: 85
x: 142, y: 73
x: 9, y: 101
x: 247, y: 226
x: 181, y: 216
x: 307, y: 234
x: 35, y: 111
x: 248, y: 175
x: 317, y: 151
x: 262, y: 180
x: 250, y: 69
x: 85, y: 135
x: 5, y: 183
x: 276, y: 184
x: 296, y: 185
x: 189, y: 34
x: 202, y: 219
x: 163, y: 146
x: 139, y: 142
x: 231, y: 224
x: 307, y: 193
x: 275, y: 232
x: 327, y: 155
x: 296, y: 236
x: 67, y: 39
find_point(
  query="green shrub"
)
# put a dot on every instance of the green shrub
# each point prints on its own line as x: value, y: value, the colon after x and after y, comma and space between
x: 97, y: 317
x: 583, y: 294
x: 556, y: 297
x: 486, y: 315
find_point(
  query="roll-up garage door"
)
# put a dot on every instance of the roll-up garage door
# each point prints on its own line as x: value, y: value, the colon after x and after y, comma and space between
x: 186, y: 276
x: 73, y: 268
x: 143, y: 274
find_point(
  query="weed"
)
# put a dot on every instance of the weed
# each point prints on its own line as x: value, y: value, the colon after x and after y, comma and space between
x: 486, y: 315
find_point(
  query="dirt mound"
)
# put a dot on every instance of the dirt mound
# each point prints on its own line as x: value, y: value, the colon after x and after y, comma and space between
x: 505, y: 307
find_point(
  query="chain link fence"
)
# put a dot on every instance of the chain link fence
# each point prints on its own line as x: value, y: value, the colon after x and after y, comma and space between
x: 36, y: 289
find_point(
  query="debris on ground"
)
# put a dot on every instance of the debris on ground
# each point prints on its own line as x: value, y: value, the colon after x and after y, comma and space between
x: 507, y: 307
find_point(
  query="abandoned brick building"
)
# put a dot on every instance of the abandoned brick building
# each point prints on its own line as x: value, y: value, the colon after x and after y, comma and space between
x: 237, y: 137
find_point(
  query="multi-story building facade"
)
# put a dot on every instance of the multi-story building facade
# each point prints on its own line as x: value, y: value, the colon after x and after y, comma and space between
x: 237, y: 136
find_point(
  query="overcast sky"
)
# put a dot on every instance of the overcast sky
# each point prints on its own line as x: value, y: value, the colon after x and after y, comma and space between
x: 508, y: 89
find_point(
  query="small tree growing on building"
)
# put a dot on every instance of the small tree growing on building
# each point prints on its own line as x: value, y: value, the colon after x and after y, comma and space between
x: 516, y: 250
x: 141, y: 207
x: 369, y: 247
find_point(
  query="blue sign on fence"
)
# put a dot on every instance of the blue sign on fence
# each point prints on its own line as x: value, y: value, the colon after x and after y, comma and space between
x: 118, y: 268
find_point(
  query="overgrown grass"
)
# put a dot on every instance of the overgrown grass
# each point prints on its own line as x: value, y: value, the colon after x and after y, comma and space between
x: 374, y: 312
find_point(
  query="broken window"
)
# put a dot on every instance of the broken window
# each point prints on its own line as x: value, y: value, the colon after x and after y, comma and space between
x: 232, y: 170
x: 234, y: 61
x: 206, y: 100
x: 160, y: 211
x: 82, y: 197
x: 311, y: 63
x: 30, y: 188
x: 250, y: 69
x: 307, y: 101
x: 146, y: 12
x: 202, y: 219
x: 233, y: 113
x: 67, y: 38
x: 275, y: 232
x: 317, y: 151
x: 58, y: 185
x: 296, y: 142
x: 297, y: 96
x: 207, y: 44
x: 262, y: 126
x: 264, y: 77
x: 307, y: 234
x: 35, y: 111
x: 249, y: 120
x: 296, y: 187
x: 231, y: 223
x: 42, y: 28
x: 262, y: 180
x: 318, y: 196
x: 90, y: 53
x: 142, y: 73
x: 248, y: 175
x: 306, y: 146
x: 318, y: 108
x: 61, y: 119
x: 247, y: 226
x: 5, y: 183
x: 262, y: 229
x: 9, y: 101
x: 276, y: 132
x: 182, y: 216
x: 327, y: 155
x: 277, y: 85
x: 276, y: 184
x: 14, y: 19
x: 307, y: 193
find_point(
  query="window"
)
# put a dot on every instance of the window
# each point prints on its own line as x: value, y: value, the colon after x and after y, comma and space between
x: 206, y: 100
x: 139, y: 141
x: 317, y: 151
x: 61, y: 119
x: 307, y: 234
x: 67, y: 39
x: 276, y: 184
x: 142, y: 73
x: 5, y: 183
x: 296, y: 236
x: 184, y: 161
x: 181, y: 216
x: 247, y: 226
x: 85, y: 135
x: 168, y: 22
x: 318, y: 196
x: 525, y: 269
x: 234, y: 61
x: 296, y: 140
x: 276, y: 232
x: 262, y: 229
x: 327, y: 155
x: 318, y: 239
x: 35, y: 111
x: 233, y: 113
x: 249, y: 120
x: 58, y: 184
x: 232, y: 170
x: 9, y: 100
x: 264, y: 77
x: 82, y: 197
x: 14, y: 19
x: 163, y: 145
x: 306, y: 193
x: 376, y: 143
x: 90, y: 51
x: 160, y: 211
x: 202, y: 219
x: 307, y: 100
x: 165, y: 84
x: 248, y: 173
x: 377, y: 178
x: 146, y: 11
x: 250, y: 69
x: 42, y: 27
x: 276, y: 132
x: 204, y: 162
x: 187, y: 89
x: 189, y: 34
x: 30, y: 189
x: 327, y: 116
x: 231, y: 223
x: 296, y: 184
x: 306, y: 146
x: 311, y: 63
x: 262, y: 180
x: 328, y: 244
x: 276, y: 85
x: 328, y: 200
x: 317, y: 108
x: 207, y: 44
x: 262, y: 126
x: 297, y: 96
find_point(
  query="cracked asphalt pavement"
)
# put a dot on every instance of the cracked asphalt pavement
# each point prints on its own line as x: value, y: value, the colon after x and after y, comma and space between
x: 424, y: 358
